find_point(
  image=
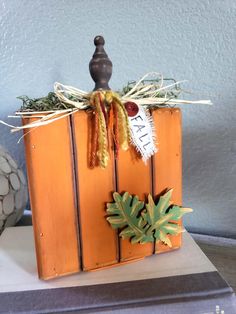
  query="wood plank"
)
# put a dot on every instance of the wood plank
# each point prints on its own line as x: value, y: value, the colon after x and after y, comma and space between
x: 134, y: 177
x: 167, y: 162
x: 95, y: 187
x: 50, y: 176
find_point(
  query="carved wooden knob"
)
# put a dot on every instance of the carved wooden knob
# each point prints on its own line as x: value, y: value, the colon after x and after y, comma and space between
x: 100, y: 66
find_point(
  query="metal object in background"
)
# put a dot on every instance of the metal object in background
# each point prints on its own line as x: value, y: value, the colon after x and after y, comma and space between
x: 13, y: 191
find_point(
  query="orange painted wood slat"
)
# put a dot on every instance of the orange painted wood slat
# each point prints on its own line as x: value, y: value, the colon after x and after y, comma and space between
x: 167, y: 163
x: 134, y: 177
x: 95, y: 187
x: 50, y: 176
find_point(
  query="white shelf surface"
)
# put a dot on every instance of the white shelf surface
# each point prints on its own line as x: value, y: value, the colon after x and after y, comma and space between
x: 18, y: 270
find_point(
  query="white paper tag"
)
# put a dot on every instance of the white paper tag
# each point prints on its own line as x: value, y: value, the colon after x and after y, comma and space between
x: 142, y: 130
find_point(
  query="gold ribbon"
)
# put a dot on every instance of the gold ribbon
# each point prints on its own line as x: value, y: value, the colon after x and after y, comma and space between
x: 111, y: 120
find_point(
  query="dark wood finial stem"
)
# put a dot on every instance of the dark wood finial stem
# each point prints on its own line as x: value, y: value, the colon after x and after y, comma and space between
x: 100, y: 66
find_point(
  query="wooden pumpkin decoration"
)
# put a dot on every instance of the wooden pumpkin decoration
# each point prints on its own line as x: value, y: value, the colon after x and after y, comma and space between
x: 73, y: 231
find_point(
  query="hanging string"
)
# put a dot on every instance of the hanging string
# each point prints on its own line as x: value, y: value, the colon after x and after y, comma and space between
x: 118, y: 125
x: 94, y: 140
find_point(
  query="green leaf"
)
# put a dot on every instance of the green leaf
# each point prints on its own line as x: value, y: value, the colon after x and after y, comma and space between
x: 150, y: 215
x: 128, y: 232
x: 177, y: 212
x: 159, y: 217
x: 116, y: 221
x: 154, y: 222
x: 173, y: 229
x: 162, y: 221
x: 154, y: 212
x: 164, y: 202
x: 125, y: 212
x: 164, y: 238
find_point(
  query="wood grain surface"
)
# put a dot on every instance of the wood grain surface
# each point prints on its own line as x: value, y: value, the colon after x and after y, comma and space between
x: 136, y: 178
x: 69, y: 197
x: 51, y: 177
x: 95, y: 187
x: 167, y: 162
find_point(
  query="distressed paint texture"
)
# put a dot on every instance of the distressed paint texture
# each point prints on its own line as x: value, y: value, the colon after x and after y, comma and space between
x: 45, y: 41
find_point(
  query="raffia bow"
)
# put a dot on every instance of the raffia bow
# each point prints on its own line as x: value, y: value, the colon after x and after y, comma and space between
x: 110, y: 116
